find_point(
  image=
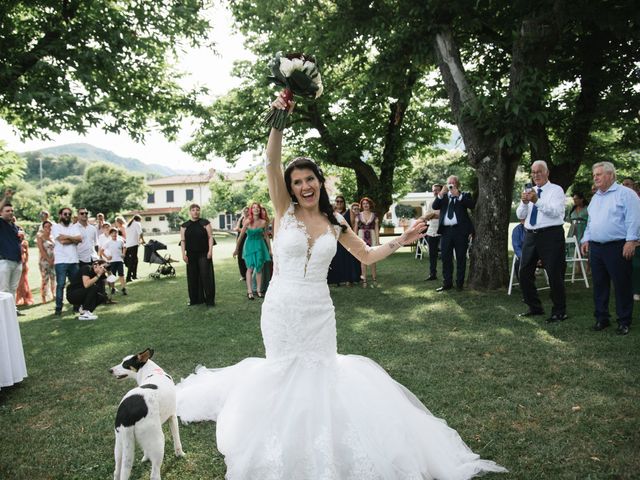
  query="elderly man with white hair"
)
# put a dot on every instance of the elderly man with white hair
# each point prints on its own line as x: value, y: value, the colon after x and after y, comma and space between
x: 610, y: 239
x: 543, y: 206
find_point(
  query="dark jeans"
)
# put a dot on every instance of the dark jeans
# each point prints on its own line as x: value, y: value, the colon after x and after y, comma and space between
x: 63, y: 271
x: 89, y: 297
x: 434, y: 248
x: 453, y: 238
x: 546, y: 245
x: 607, y: 266
x: 201, y: 281
x: 131, y: 261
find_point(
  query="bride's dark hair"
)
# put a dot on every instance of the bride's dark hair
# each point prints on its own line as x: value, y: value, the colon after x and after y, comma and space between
x: 303, y: 163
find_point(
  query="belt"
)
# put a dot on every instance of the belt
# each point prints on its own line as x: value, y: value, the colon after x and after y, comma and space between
x: 608, y: 243
x: 540, y: 230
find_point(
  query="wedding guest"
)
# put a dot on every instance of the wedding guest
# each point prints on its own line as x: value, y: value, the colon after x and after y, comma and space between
x: 578, y: 216
x: 121, y: 226
x: 543, y: 207
x: 342, y: 265
x: 432, y: 217
x: 99, y: 221
x: 517, y: 240
x: 196, y: 241
x: 256, y: 247
x: 86, y: 248
x: 113, y: 250
x: 44, y: 217
x: 367, y: 229
x: 241, y: 265
x: 610, y: 240
x: 46, y: 261
x: 23, y: 292
x: 66, y: 237
x: 10, y: 249
x: 134, y: 238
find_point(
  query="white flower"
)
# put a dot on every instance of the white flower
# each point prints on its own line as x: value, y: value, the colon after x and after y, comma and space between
x: 298, y: 64
x: 286, y: 66
x: 318, y: 82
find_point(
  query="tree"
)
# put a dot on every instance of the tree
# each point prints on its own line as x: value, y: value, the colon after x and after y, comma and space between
x: 376, y: 102
x: 109, y: 190
x: 12, y: 166
x: 71, y: 65
x: 63, y: 167
x: 227, y: 196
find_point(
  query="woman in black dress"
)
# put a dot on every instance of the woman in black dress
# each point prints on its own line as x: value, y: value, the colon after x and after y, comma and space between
x: 241, y: 265
x: 344, y: 267
x: 196, y: 239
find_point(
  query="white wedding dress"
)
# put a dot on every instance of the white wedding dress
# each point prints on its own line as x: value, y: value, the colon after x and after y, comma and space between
x: 307, y: 413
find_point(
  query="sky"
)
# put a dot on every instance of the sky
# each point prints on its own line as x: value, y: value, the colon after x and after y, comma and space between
x: 200, y: 64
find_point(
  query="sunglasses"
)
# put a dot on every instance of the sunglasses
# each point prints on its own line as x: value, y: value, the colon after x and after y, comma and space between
x: 65, y: 214
x: 82, y: 213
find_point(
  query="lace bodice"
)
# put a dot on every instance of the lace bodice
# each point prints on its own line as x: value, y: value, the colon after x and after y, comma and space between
x: 297, y: 256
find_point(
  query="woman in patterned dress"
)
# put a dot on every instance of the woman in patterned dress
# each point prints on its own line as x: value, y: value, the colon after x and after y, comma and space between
x: 47, y: 270
x: 367, y: 229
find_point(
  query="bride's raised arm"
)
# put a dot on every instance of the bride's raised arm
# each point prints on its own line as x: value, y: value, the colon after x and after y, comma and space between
x: 275, y: 176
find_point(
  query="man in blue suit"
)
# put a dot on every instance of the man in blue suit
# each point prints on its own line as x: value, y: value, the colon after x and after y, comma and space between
x: 455, y: 228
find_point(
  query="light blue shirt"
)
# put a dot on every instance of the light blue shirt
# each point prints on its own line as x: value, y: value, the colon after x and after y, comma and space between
x: 613, y: 215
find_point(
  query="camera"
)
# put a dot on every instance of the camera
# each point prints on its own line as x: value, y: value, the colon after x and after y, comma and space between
x: 528, y: 187
x: 450, y: 186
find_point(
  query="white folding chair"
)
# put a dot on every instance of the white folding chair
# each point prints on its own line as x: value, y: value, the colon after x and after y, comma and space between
x: 513, y: 274
x: 573, y: 258
x: 421, y: 246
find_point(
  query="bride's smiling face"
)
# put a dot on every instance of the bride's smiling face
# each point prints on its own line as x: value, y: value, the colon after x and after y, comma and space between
x: 305, y: 187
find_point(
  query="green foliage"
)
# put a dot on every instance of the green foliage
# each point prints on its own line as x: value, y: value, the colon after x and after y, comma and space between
x: 433, y: 167
x: 108, y: 190
x: 27, y: 201
x: 175, y: 219
x: 60, y: 167
x: 405, y: 211
x: 230, y: 197
x: 12, y: 166
x: 73, y: 65
x: 58, y: 195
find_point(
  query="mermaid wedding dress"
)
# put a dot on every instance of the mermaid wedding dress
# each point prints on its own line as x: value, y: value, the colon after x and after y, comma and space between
x: 307, y: 413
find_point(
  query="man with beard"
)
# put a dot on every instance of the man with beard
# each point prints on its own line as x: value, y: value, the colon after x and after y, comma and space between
x: 10, y: 249
x: 66, y: 237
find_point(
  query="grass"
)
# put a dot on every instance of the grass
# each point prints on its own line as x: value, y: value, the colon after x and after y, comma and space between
x: 545, y: 401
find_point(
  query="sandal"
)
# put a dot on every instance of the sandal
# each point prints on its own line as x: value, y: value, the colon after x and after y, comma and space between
x: 374, y: 283
x: 364, y: 284
x: 250, y: 296
x: 260, y: 295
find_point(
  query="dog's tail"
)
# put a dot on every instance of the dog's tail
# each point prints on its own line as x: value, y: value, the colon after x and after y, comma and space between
x: 124, y: 452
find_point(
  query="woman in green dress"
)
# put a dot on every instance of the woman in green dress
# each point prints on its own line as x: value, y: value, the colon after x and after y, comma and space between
x: 256, y: 246
x: 578, y: 216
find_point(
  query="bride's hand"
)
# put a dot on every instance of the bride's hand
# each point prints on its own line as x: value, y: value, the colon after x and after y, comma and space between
x: 281, y: 103
x: 416, y: 231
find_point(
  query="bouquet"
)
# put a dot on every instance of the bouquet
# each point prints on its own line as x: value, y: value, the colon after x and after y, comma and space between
x: 298, y: 74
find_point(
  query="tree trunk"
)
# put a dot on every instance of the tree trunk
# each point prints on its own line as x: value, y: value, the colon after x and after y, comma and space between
x: 489, y: 264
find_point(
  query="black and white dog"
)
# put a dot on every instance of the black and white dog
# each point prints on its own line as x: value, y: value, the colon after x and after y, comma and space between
x: 141, y: 414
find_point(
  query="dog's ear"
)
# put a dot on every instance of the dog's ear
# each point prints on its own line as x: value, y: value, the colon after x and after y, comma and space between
x: 146, y: 355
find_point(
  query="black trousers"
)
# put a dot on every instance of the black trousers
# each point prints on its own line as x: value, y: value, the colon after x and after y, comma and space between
x: 607, y: 266
x: 131, y: 261
x: 89, y: 298
x: 546, y: 245
x: 434, y: 248
x: 454, y: 238
x: 201, y: 282
x: 241, y: 265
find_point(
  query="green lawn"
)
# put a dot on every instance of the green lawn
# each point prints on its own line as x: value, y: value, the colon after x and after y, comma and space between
x: 552, y: 402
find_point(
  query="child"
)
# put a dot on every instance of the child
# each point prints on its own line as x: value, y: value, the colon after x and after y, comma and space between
x: 113, y: 251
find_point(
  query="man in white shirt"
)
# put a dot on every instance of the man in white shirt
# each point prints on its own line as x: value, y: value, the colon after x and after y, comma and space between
x: 86, y: 248
x: 432, y: 217
x: 66, y: 237
x: 543, y: 206
x: 134, y: 238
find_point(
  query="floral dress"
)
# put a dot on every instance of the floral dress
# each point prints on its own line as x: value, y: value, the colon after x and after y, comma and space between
x: 23, y: 292
x: 367, y: 230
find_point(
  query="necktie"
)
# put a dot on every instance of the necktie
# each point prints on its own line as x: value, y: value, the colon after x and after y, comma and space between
x: 534, y: 210
x: 452, y: 202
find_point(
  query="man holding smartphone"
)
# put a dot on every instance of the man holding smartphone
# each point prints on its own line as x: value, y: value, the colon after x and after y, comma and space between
x: 542, y: 206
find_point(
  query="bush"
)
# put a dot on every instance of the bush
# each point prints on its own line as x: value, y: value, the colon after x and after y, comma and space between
x: 30, y: 229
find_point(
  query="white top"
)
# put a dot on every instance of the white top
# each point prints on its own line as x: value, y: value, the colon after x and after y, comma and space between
x: 86, y: 249
x: 65, y: 253
x: 133, y: 234
x: 551, y: 207
x: 434, y: 223
x: 113, y: 248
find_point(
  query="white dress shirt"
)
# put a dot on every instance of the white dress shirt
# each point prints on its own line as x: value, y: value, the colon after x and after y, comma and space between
x: 551, y: 207
x: 86, y: 249
x: 65, y: 253
x: 133, y: 234
x: 449, y: 222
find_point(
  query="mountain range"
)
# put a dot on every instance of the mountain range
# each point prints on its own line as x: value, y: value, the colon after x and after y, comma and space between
x: 92, y: 154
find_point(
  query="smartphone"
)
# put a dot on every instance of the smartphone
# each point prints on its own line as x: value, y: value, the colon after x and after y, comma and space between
x: 528, y: 187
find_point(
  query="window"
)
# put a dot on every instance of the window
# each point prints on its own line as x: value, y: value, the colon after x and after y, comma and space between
x: 170, y: 196
x: 221, y: 219
x: 161, y: 218
x: 147, y: 219
x: 151, y: 197
x: 189, y: 194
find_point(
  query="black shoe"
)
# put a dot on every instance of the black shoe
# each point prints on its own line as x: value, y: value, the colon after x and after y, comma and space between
x: 622, y: 329
x: 600, y: 326
x: 189, y: 304
x: 113, y: 291
x: 57, y: 313
x: 430, y: 278
x: 124, y: 291
x: 557, y: 317
x: 19, y: 313
x: 531, y: 313
x: 444, y: 288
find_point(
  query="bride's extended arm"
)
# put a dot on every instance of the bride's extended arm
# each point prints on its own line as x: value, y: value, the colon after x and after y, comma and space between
x: 273, y: 164
x: 369, y: 255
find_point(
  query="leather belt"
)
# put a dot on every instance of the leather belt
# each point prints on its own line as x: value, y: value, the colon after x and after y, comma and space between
x: 540, y: 230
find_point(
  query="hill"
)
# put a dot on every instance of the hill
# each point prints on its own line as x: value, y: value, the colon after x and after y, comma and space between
x: 91, y: 154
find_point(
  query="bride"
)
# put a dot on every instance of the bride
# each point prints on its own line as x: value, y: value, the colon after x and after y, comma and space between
x: 305, y: 412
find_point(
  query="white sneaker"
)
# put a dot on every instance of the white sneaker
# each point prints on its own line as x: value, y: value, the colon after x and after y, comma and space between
x: 81, y: 310
x: 87, y: 315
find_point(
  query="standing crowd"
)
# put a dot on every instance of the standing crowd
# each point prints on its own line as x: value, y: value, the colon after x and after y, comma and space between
x: 84, y: 257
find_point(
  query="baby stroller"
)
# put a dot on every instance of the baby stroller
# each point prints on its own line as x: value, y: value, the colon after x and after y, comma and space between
x: 151, y: 255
